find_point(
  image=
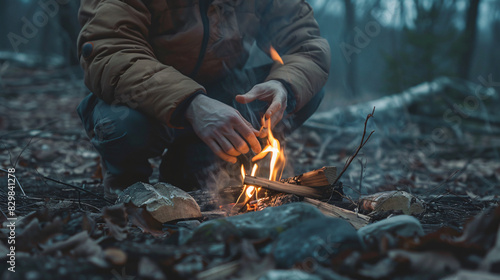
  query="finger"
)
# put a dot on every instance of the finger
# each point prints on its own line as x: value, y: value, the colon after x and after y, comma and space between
x: 273, y: 108
x: 226, y: 145
x: 276, y: 118
x: 248, y: 124
x: 249, y: 133
x: 263, y: 132
x: 218, y: 151
x: 238, y: 142
x: 248, y: 97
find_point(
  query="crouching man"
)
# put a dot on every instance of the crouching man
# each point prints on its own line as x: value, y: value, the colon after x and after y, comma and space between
x: 162, y: 76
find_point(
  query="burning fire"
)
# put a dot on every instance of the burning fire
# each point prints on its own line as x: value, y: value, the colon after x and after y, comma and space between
x: 249, y: 189
x: 277, y: 161
x: 275, y: 56
x: 276, y: 164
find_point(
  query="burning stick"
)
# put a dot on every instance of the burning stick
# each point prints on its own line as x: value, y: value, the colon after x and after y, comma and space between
x: 325, y: 176
x: 288, y: 188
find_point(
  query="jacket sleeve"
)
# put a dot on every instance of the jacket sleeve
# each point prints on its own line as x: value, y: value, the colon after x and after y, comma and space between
x: 119, y: 63
x: 289, y: 26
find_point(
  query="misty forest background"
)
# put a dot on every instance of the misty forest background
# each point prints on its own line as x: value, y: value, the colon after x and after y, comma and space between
x: 378, y: 47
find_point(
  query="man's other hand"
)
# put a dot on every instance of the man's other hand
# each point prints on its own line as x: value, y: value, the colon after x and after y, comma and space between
x: 222, y: 128
x: 274, y: 93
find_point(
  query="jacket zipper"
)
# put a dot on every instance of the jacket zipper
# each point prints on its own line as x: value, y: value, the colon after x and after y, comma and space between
x: 203, y: 4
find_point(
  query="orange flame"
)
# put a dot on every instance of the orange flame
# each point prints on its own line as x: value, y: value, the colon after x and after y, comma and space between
x: 275, y: 56
x: 277, y: 162
x: 277, y: 159
x: 250, y: 189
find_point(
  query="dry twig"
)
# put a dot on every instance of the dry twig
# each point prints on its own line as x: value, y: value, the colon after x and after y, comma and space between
x: 361, y: 145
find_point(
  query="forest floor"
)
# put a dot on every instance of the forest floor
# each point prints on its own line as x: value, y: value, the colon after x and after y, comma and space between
x: 41, y: 135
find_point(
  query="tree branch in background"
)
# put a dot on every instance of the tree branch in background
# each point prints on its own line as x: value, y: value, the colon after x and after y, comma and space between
x: 361, y: 145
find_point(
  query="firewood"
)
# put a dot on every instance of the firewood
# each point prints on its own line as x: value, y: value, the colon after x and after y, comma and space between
x: 324, y: 176
x: 356, y: 220
x: 305, y: 191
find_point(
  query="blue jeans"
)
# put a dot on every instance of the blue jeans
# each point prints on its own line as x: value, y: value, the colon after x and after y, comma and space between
x: 126, y: 138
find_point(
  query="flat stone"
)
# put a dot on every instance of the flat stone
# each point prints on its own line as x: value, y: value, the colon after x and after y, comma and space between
x: 315, y: 240
x: 272, y: 221
x: 402, y: 225
x: 163, y: 201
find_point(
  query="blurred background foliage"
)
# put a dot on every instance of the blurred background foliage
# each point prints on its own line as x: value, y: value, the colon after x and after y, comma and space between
x: 379, y: 47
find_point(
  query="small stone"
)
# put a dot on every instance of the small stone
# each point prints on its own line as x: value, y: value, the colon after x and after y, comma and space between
x: 147, y: 269
x: 288, y: 275
x: 115, y: 256
x: 393, y: 201
x: 272, y: 221
x: 163, y: 201
x: 316, y: 240
x: 402, y: 225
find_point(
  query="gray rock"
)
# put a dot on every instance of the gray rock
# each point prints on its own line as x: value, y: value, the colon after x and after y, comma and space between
x: 315, y: 240
x: 214, y: 231
x: 163, y: 201
x: 288, y: 275
x: 190, y: 224
x: 269, y: 222
x: 402, y: 225
x: 272, y: 221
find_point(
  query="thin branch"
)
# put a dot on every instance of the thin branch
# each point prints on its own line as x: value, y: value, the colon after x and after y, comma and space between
x: 361, y: 175
x: 75, y: 187
x: 14, y: 164
x: 361, y: 145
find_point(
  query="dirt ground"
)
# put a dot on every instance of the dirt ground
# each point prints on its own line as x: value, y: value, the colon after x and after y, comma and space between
x: 41, y: 135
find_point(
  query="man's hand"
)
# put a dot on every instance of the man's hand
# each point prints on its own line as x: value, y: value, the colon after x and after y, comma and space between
x: 222, y: 128
x: 274, y: 93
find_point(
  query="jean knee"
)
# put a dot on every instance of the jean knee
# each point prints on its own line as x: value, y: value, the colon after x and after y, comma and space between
x: 118, y: 138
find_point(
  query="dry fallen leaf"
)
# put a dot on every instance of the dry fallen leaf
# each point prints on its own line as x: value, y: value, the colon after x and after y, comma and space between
x: 434, y: 263
x: 79, y: 245
x: 116, y: 220
x: 143, y: 220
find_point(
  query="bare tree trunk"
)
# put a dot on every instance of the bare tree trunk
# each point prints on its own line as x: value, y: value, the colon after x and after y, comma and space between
x: 495, y: 38
x: 350, y: 21
x: 469, y: 39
